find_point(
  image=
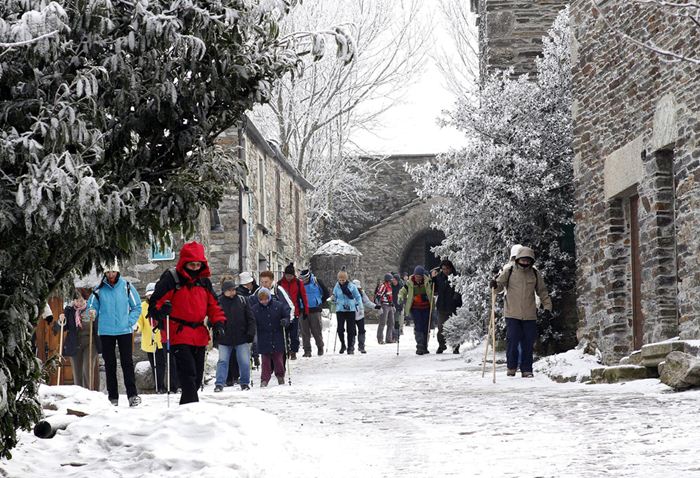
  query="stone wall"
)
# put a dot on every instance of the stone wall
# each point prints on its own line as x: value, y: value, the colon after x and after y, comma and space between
x: 511, y: 31
x: 637, y: 124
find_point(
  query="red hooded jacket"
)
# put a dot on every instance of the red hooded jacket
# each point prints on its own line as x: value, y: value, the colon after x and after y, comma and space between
x: 192, y: 302
x: 297, y: 292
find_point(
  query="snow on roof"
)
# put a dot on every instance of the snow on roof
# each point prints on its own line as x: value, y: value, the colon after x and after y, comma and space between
x: 337, y: 248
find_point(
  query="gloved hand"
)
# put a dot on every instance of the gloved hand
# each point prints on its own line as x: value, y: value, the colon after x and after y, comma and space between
x: 285, y: 322
x: 219, y: 331
x: 547, y: 314
x: 377, y: 307
x: 493, y: 284
x: 166, y: 308
x: 249, y: 339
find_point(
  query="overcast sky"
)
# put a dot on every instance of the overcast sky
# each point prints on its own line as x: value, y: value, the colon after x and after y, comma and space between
x: 412, y: 127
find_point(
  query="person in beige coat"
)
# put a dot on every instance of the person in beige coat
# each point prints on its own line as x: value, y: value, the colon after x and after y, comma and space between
x: 521, y: 281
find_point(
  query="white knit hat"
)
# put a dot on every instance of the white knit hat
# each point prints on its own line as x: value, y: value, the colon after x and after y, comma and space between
x: 357, y: 283
x: 112, y: 267
x: 245, y: 278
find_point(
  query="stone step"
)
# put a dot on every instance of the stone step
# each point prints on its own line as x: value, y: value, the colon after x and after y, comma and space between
x: 621, y: 373
x: 654, y: 354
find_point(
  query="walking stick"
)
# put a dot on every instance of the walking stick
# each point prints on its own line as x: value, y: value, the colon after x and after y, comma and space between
x: 430, y: 317
x: 493, y: 330
x: 167, y: 343
x: 91, y: 372
x: 398, y: 339
x: 62, y: 323
x: 155, y: 353
x: 250, y: 359
x: 286, y: 356
x: 488, y: 337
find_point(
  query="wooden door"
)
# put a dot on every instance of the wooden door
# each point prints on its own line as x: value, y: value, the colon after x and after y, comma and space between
x: 637, y: 317
x: 48, y: 343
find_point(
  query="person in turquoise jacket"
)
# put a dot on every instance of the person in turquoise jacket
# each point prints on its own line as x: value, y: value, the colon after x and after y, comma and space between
x: 347, y: 302
x: 118, y: 306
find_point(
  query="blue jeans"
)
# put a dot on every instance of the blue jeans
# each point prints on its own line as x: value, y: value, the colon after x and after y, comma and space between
x: 243, y: 359
x: 420, y: 328
x: 520, y: 334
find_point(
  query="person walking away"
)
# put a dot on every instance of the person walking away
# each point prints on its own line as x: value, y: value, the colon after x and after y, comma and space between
x: 238, y: 337
x: 267, y: 281
x: 360, y: 316
x: 311, y: 325
x: 246, y: 288
x: 116, y: 306
x: 294, y: 287
x: 417, y: 295
x: 151, y: 343
x: 186, y: 296
x: 448, y: 301
x: 270, y: 319
x: 520, y: 281
x: 347, y: 302
x: 76, y: 345
x: 385, y: 299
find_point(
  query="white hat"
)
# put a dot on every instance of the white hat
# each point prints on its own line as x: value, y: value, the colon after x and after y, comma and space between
x: 357, y: 283
x: 515, y: 249
x: 113, y: 267
x: 245, y: 278
x: 150, y: 288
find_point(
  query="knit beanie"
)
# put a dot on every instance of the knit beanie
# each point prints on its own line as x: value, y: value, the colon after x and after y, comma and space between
x: 290, y: 269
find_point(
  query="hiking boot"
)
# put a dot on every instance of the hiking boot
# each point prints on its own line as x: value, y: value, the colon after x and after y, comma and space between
x: 511, y: 372
x: 263, y: 384
x: 527, y: 375
x: 114, y: 401
x: 245, y: 387
x: 320, y: 351
x: 441, y: 349
x: 293, y: 356
x: 363, y: 351
x: 381, y: 342
x: 420, y: 352
x: 342, y: 348
x: 351, y: 352
x: 456, y: 350
x: 219, y: 388
x: 134, y: 401
x: 280, y: 380
x: 307, y: 354
x: 256, y: 361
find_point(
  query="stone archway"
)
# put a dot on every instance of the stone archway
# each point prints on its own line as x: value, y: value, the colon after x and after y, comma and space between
x: 418, y: 251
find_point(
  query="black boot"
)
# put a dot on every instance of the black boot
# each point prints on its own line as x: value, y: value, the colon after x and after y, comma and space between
x: 342, y: 347
x: 455, y: 350
x: 351, y: 345
x: 441, y: 349
x: 361, y: 343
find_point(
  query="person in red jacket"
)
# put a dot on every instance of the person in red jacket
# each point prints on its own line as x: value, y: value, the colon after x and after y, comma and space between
x: 187, y: 296
x: 296, y: 291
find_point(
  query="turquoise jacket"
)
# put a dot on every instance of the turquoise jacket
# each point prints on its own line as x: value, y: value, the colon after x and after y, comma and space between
x: 344, y: 303
x: 118, y: 307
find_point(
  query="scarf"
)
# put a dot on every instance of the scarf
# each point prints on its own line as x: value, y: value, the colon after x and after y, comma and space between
x: 346, y: 290
x: 78, y: 312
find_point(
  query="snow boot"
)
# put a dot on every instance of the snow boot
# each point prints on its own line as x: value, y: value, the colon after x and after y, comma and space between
x: 342, y: 348
x: 219, y: 388
x: 361, y: 343
x: 511, y: 372
x: 263, y: 384
x: 293, y: 356
x: 280, y: 380
x: 527, y: 375
x: 351, y: 352
x: 114, y: 401
x: 307, y: 354
x: 134, y: 401
x: 441, y: 349
x: 456, y: 350
x: 320, y: 351
x: 245, y: 387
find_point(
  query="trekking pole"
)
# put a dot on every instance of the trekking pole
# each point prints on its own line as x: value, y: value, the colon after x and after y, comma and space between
x: 91, y: 372
x: 398, y: 339
x: 286, y: 356
x: 155, y: 360
x: 167, y: 343
x: 430, y: 318
x: 250, y: 359
x: 206, y: 356
x: 62, y: 323
x: 493, y: 331
x: 488, y: 340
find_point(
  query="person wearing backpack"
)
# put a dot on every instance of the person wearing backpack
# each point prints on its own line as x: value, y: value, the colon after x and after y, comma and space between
x: 448, y: 301
x: 316, y: 295
x: 296, y: 291
x: 115, y: 305
x: 384, y: 297
x: 238, y: 337
x: 348, y: 302
x: 417, y: 295
x: 521, y: 281
x: 184, y: 296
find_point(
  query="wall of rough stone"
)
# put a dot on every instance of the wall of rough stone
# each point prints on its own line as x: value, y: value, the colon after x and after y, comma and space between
x: 637, y: 121
x: 511, y: 31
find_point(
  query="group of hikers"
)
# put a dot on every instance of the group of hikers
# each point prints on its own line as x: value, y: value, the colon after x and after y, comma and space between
x: 259, y: 324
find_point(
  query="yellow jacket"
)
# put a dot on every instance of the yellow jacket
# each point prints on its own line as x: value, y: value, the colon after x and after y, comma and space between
x: 147, y: 336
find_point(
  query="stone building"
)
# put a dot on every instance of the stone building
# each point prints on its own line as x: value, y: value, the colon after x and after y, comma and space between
x: 511, y: 31
x: 257, y: 227
x: 400, y: 237
x: 637, y: 167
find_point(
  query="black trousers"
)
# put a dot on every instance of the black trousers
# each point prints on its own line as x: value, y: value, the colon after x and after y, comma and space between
x: 109, y: 355
x: 160, y: 358
x: 190, y: 370
x: 346, y: 320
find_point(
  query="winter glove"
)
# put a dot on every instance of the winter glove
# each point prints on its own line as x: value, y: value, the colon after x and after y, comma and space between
x: 377, y: 307
x: 285, y: 322
x: 219, y: 331
x: 547, y: 314
x: 493, y: 284
x: 166, y: 308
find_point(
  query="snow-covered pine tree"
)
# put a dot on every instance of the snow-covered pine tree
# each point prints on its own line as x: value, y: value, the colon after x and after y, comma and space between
x: 108, y: 125
x: 511, y: 185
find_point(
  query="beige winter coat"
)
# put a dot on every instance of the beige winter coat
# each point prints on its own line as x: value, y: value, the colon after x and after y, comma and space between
x: 520, y: 287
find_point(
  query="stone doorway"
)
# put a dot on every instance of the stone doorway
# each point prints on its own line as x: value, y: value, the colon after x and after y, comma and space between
x: 418, y: 251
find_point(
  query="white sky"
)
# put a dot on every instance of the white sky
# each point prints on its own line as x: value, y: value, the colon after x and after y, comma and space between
x: 412, y: 126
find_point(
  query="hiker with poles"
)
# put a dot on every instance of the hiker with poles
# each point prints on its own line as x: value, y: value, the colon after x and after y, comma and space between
x: 152, y: 344
x: 347, y: 302
x: 183, y: 298
x: 396, y: 285
x: 238, y: 337
x: 116, y: 305
x: 271, y: 319
x: 311, y: 325
x: 417, y: 295
x: 448, y: 301
x: 76, y: 345
x: 385, y: 299
x: 360, y: 316
x: 246, y: 288
x: 521, y: 281
x: 296, y: 291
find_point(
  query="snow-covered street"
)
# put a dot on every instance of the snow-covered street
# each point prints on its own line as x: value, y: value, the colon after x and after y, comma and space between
x: 378, y: 415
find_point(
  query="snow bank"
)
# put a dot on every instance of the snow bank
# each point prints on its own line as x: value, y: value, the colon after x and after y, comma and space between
x: 337, y: 248
x: 570, y: 366
x: 199, y: 439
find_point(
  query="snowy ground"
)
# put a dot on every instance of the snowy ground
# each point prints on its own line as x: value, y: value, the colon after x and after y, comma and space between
x: 380, y: 415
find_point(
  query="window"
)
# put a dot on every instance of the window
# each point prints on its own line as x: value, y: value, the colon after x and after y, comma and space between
x: 158, y: 253
x: 297, y: 221
x: 261, y: 189
x: 278, y: 197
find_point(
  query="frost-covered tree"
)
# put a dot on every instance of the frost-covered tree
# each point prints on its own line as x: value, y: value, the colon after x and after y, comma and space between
x: 109, y: 114
x: 511, y: 185
x: 312, y: 116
